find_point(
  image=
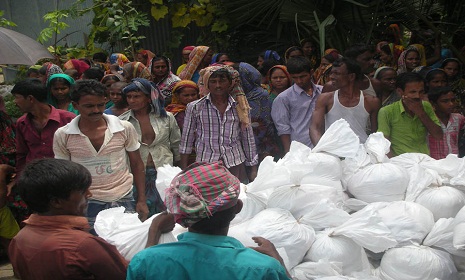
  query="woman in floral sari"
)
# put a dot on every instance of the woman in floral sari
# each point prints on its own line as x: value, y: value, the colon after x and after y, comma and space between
x: 163, y: 77
x: 199, y: 58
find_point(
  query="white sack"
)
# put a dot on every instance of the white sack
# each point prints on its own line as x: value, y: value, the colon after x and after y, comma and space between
x: 351, y: 165
x: 165, y: 174
x: 459, y: 237
x: 253, y: 203
x: 443, y: 202
x: 314, y: 270
x: 126, y: 231
x: 324, y: 215
x: 301, y: 199
x: 269, y: 176
x: 339, y: 139
x: 409, y: 222
x: 416, y: 263
x: 281, y: 228
x: 409, y: 160
x: 441, y: 237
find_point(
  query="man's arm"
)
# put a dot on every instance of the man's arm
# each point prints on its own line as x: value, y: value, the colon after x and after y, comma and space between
x: 286, y: 140
x: 138, y: 172
x: 162, y: 223
x: 281, y: 118
x: 21, y: 150
x: 373, y: 104
x: 5, y: 171
x: 187, y: 136
x: 426, y: 116
x: 317, y: 123
x: 175, y: 139
x: 266, y: 247
x: 384, y: 126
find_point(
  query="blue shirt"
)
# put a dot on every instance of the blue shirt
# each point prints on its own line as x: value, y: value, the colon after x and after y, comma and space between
x: 292, y: 111
x: 201, y: 256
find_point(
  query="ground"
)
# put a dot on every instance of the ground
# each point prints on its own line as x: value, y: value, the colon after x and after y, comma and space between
x: 6, y: 270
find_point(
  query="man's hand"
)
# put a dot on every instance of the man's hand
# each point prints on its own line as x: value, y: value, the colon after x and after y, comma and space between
x: 414, y: 105
x: 5, y: 171
x: 162, y: 223
x: 253, y: 173
x: 142, y: 210
x: 266, y: 247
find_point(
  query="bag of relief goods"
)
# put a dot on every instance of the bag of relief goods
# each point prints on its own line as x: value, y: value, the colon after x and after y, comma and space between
x: 345, y: 243
x: 270, y: 176
x: 281, y: 228
x: 458, y: 180
x: 354, y: 276
x: 350, y: 165
x: 126, y: 231
x: 252, y: 204
x: 165, y: 174
x: 382, y: 180
x: 409, y: 160
x: 447, y: 168
x: 314, y: 270
x: 325, y: 214
x: 442, y: 201
x: 409, y: 222
x: 442, y: 235
x: 338, y: 141
x: 459, y: 230
x: 415, y: 262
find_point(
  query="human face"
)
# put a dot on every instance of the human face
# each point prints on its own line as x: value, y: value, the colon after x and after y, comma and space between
x: 23, y: 103
x: 412, y: 60
x: 384, y: 57
x: 366, y: 62
x: 446, y: 104
x: 340, y: 76
x: 159, y: 68
x: 137, y: 100
x: 207, y: 59
x: 295, y: 53
x: 219, y: 86
x: 141, y: 58
x: 187, y: 95
x: 185, y: 55
x: 90, y: 107
x: 60, y: 91
x: 451, y: 69
x: 324, y: 63
x: 260, y: 61
x: 116, y: 96
x: 76, y: 204
x: 388, y: 79
x: 279, y: 80
x: 308, y: 49
x: 223, y: 58
x: 303, y: 79
x: 413, y: 90
x: 439, y: 80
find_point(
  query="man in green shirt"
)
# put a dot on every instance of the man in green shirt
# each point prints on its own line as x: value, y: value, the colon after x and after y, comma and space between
x: 407, y: 122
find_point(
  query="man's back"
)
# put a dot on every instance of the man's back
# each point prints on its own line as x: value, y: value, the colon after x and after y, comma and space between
x: 200, y: 256
x: 57, y: 247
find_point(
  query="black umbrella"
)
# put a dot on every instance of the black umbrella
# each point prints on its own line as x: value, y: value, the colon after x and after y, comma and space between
x: 17, y: 48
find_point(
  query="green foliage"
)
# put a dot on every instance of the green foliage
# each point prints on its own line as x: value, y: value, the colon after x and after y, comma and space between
x: 118, y: 21
x: 4, y: 22
x: 56, y: 25
x: 11, y: 109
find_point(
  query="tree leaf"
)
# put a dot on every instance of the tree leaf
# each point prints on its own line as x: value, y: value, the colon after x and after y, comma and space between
x: 159, y: 12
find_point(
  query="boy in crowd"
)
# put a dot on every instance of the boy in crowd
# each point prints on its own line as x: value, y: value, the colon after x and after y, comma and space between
x: 444, y: 103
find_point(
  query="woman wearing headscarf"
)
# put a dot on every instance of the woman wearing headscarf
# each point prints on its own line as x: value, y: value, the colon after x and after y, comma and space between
x: 410, y: 59
x: 389, y: 54
x: 158, y: 131
x: 321, y: 74
x: 133, y: 70
x: 199, y: 58
x: 145, y: 56
x: 117, y: 61
x: 260, y: 113
x: 279, y: 80
x: 186, y: 51
x: 163, y: 77
x: 59, y: 87
x: 76, y: 64
x: 184, y: 92
x: 47, y: 70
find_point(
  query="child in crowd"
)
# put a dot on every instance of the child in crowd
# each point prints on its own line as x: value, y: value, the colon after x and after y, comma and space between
x: 116, y: 96
x: 58, y: 86
x: 444, y: 102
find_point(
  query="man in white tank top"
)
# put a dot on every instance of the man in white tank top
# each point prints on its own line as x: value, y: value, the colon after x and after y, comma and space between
x: 348, y: 103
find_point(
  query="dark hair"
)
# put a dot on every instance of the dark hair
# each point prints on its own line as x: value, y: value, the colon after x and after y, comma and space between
x: 100, y: 57
x: 331, y: 57
x: 120, y: 83
x: 43, y: 70
x: 266, y: 66
x: 31, y: 71
x: 53, y: 81
x: 216, y: 57
x: 217, y: 221
x: 94, y: 73
x: 435, y: 93
x: 411, y: 50
x: 115, y: 78
x: 296, y: 65
x: 351, y: 65
x: 381, y: 72
x: 221, y: 73
x: 161, y: 58
x: 385, y: 48
x: 433, y: 73
x: 291, y: 49
x: 87, y: 87
x: 355, y: 50
x: 33, y: 87
x: 408, y: 77
x: 45, y: 179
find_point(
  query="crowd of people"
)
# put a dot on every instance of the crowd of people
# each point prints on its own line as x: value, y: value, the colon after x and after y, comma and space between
x: 110, y: 123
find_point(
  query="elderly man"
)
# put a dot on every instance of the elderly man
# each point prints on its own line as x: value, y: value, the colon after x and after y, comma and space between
x: 204, y: 198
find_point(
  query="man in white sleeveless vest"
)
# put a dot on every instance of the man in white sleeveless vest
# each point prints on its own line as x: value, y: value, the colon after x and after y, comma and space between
x: 348, y: 102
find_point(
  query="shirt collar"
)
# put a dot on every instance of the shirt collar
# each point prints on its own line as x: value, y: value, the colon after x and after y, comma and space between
x: 212, y: 240
x: 230, y: 99
x: 60, y: 221
x: 315, y: 89
x: 54, y: 115
x: 113, y: 123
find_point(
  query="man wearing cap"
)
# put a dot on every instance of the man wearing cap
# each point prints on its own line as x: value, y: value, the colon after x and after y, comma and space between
x: 204, y: 198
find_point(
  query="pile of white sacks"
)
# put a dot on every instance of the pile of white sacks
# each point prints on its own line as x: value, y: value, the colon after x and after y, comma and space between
x: 345, y: 211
